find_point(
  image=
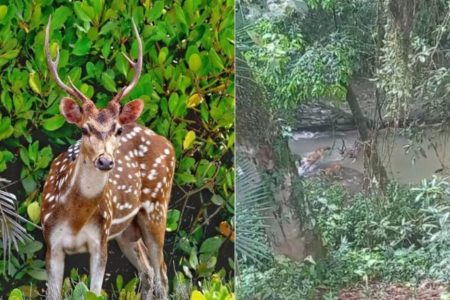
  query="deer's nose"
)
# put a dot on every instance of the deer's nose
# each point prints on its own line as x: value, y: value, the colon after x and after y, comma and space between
x: 104, y: 163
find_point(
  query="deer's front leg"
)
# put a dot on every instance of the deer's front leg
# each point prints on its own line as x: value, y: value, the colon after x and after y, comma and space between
x: 54, y: 261
x: 98, y: 251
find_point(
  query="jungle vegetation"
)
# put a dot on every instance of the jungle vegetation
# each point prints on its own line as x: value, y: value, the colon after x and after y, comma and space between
x: 388, y: 238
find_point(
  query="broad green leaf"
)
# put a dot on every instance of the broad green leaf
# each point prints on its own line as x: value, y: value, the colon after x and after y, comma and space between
x: 79, y: 291
x: 82, y: 47
x: 3, y: 11
x: 215, y: 59
x: 163, y: 55
x: 81, y: 14
x: 194, y: 100
x: 6, y: 130
x: 60, y: 16
x: 188, y: 139
x: 34, y: 82
x: 195, y: 62
x: 53, y: 123
x: 122, y: 64
x: 173, y: 216
x: 34, y: 211
x: 38, y: 274
x: 6, y: 100
x: 119, y: 282
x: 33, y: 150
x: 156, y: 11
x: 108, y: 83
x: 173, y: 102
x: 217, y: 200
x: 211, y: 245
x: 196, y: 295
x: 90, y: 69
x: 15, y: 294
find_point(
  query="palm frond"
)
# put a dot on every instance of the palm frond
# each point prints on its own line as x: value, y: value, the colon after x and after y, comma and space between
x: 12, y: 233
x: 253, y: 209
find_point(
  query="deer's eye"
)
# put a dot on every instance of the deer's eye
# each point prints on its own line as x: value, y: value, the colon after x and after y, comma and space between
x: 119, y: 131
x: 84, y: 131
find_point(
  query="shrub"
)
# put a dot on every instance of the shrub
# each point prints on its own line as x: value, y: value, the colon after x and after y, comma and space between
x: 399, y: 237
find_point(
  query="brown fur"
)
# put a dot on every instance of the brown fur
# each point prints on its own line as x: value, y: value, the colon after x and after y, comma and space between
x: 130, y: 160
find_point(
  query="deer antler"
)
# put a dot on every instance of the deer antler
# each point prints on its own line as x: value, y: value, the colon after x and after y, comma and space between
x: 53, y: 67
x: 136, y: 65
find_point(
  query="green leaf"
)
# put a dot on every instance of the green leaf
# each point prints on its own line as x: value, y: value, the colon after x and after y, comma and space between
x: 217, y: 200
x: 215, y: 59
x: 195, y: 62
x: 15, y: 294
x: 163, y: 55
x: 6, y: 130
x: 6, y: 100
x: 34, y: 211
x: 34, y: 82
x: 60, y: 17
x: 90, y: 296
x: 196, y: 295
x: 33, y: 151
x: 80, y: 12
x: 90, y: 69
x: 79, y: 291
x: 44, y: 158
x: 108, y: 82
x: 23, y: 153
x: 194, y: 100
x: 53, y: 123
x: 156, y: 11
x: 181, y: 17
x: 188, y: 139
x: 119, y: 282
x: 211, y: 245
x: 173, y: 216
x: 38, y: 274
x: 3, y: 11
x: 82, y: 47
x: 122, y: 64
x: 29, y: 184
x: 131, y: 285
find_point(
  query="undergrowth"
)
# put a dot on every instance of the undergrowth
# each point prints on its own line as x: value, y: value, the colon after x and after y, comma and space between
x: 401, y: 236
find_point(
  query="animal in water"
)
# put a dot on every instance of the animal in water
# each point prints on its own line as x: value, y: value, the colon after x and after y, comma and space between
x: 334, y: 169
x: 309, y: 163
x: 113, y: 183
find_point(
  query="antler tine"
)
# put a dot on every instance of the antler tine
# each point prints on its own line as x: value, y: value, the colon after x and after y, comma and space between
x: 53, y: 67
x: 136, y: 65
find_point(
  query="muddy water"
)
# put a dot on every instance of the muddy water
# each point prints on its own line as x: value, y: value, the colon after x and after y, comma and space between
x: 403, y: 167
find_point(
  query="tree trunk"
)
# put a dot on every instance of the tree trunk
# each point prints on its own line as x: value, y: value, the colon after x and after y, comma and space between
x: 259, y: 138
x: 373, y: 167
x: 398, y: 77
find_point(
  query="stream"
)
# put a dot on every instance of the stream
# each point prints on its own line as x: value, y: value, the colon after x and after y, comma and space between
x: 403, y: 167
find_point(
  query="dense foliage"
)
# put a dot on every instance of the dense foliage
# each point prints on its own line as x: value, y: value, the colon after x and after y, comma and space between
x: 188, y: 89
x: 400, y: 237
x: 321, y: 50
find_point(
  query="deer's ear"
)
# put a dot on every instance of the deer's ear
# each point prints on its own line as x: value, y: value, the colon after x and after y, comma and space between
x: 131, y: 111
x: 71, y: 111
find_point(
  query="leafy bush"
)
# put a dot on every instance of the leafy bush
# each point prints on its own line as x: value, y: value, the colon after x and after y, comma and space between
x: 399, y: 237
x: 187, y: 86
x: 403, y: 217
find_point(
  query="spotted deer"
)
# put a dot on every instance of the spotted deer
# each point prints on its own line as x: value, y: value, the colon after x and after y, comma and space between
x: 114, y: 183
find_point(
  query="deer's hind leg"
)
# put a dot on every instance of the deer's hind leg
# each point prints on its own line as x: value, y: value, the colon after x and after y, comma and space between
x: 136, y: 252
x: 153, y: 236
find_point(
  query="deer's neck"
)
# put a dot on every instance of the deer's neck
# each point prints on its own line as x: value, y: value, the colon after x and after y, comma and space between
x: 91, y: 181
